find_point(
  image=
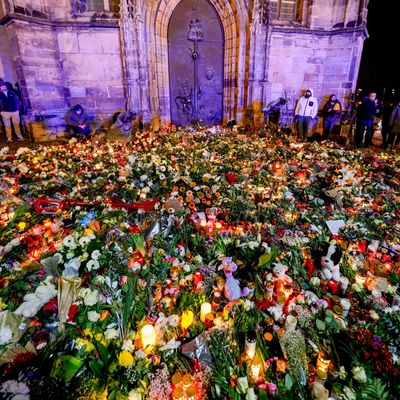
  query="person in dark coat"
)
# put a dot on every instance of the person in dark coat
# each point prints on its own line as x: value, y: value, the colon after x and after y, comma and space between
x: 388, y: 107
x: 331, y: 110
x: 394, y: 127
x: 9, y: 110
x: 365, y: 119
x: 78, y: 122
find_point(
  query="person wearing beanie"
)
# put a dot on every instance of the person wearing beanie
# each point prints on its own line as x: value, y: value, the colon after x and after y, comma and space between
x: 78, y: 122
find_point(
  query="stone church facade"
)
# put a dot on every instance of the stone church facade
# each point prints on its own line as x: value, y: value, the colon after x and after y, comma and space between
x: 153, y: 56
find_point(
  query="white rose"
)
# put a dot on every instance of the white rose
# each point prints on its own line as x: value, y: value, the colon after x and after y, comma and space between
x: 111, y: 333
x: 93, y: 316
x: 90, y: 297
x: 5, y: 335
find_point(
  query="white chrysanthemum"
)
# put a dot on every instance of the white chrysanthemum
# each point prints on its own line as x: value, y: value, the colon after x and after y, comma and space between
x: 92, y: 264
x: 93, y: 316
x: 5, y: 335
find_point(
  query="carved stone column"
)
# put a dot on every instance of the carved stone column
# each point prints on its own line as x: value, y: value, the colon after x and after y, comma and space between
x: 257, y: 57
x: 134, y: 58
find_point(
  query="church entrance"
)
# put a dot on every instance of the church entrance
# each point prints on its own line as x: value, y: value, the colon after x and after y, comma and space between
x: 196, y: 54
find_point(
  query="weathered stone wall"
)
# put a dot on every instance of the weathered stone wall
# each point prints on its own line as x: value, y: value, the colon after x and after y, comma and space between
x: 7, y: 70
x: 324, y: 62
x: 92, y: 69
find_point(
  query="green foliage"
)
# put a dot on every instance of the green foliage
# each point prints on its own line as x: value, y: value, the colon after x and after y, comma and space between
x: 247, y: 320
x: 373, y: 390
x: 225, y: 356
x: 388, y: 327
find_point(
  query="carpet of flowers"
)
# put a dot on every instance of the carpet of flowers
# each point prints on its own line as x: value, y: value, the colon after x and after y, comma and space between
x: 187, y: 265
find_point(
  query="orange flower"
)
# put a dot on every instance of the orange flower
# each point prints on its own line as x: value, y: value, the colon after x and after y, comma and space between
x: 200, y: 195
x: 181, y: 189
x: 208, y: 195
x: 175, y: 189
x: 188, y: 199
x: 104, y: 314
x: 192, y: 184
x: 180, y: 198
x: 280, y: 365
x: 217, y: 194
x: 191, y: 205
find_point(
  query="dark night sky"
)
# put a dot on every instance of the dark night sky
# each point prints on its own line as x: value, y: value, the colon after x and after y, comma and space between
x: 379, y: 70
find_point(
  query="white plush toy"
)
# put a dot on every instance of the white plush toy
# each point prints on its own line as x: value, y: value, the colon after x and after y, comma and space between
x: 279, y: 273
x: 330, y: 262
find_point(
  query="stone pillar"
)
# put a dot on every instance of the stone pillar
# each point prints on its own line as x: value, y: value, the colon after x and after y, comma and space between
x: 133, y: 43
x: 257, y: 59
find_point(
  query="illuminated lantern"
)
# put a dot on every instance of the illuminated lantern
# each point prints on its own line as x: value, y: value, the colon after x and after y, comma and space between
x: 255, y: 368
x: 22, y: 225
x: 187, y: 319
x: 204, y: 310
x: 148, y: 334
x: 360, y: 278
x: 323, y: 363
x: 250, y: 345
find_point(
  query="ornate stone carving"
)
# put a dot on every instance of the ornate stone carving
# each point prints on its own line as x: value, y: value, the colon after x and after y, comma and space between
x: 78, y: 7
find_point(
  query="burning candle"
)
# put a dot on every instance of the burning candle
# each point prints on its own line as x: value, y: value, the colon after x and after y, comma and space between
x: 148, y: 334
x: 323, y: 363
x: 250, y: 345
x: 360, y: 278
x: 344, y: 283
x: 290, y: 323
x: 255, y: 368
x: 345, y: 306
x: 287, y: 290
x: 197, y: 278
x: 204, y: 310
x: 209, y: 320
x: 187, y: 319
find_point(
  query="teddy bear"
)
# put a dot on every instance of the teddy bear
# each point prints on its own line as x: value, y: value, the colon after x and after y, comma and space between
x: 278, y: 274
x: 232, y: 290
x: 330, y: 260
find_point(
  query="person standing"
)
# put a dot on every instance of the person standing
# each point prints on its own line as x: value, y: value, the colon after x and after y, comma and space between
x: 394, y: 127
x: 365, y: 119
x: 387, y: 111
x: 331, y: 110
x: 305, y: 111
x: 9, y: 110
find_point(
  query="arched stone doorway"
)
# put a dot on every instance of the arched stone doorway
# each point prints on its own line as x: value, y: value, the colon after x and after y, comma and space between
x: 195, y: 53
x: 233, y: 15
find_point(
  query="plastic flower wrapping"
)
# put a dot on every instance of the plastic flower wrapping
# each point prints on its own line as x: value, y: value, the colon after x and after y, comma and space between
x: 199, y: 265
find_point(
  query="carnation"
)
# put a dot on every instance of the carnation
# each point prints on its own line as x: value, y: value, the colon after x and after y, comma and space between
x: 5, y: 335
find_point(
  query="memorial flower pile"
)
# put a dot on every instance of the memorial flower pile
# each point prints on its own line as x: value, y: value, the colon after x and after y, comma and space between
x: 199, y: 265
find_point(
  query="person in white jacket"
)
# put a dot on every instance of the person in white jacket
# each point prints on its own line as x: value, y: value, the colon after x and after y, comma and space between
x: 306, y: 110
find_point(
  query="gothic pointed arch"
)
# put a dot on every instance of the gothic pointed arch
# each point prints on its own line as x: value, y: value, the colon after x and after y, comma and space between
x: 234, y: 18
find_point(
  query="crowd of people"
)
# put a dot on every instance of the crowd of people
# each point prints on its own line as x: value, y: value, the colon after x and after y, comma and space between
x: 368, y: 114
